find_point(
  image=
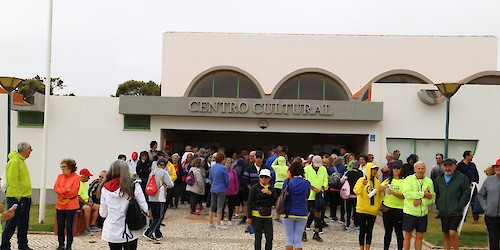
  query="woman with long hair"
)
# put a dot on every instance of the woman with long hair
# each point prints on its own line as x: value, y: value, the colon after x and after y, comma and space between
x: 117, y: 189
x: 66, y: 187
x: 392, y: 206
x: 198, y: 188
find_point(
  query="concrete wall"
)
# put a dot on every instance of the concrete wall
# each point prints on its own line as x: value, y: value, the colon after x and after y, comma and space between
x: 355, y: 59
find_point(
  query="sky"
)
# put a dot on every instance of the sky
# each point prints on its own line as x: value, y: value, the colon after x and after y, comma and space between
x: 96, y: 45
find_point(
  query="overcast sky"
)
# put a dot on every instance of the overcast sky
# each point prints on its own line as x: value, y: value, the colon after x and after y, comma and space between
x: 99, y: 44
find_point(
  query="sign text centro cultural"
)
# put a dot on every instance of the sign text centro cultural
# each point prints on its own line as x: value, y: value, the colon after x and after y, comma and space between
x: 260, y: 108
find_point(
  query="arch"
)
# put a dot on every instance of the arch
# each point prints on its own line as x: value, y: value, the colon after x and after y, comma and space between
x: 404, y: 72
x: 347, y: 95
x: 223, y: 68
x: 483, y: 78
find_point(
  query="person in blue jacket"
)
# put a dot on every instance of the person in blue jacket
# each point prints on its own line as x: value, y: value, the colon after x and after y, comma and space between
x: 295, y: 217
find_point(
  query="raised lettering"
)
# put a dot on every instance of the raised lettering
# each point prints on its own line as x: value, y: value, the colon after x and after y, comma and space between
x: 259, y: 111
x: 243, y: 108
x: 296, y: 109
x: 194, y: 106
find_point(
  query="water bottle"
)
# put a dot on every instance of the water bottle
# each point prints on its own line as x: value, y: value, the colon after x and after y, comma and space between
x: 251, y: 230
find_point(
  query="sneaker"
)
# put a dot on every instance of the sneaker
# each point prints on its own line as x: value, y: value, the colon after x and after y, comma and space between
x: 345, y: 228
x: 229, y: 223
x: 243, y: 221
x: 94, y: 228
x: 150, y: 238
x: 324, y: 224
x: 308, y: 228
x: 87, y: 232
x: 335, y: 219
x: 317, y: 238
x: 196, y: 213
x: 160, y: 238
x: 277, y: 220
x: 356, y: 229
x: 61, y: 248
x: 236, y: 216
x: 222, y: 227
x: 342, y: 221
x: 211, y: 225
x: 304, y: 237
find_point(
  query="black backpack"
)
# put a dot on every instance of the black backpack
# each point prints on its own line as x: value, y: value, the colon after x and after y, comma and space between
x: 135, y: 217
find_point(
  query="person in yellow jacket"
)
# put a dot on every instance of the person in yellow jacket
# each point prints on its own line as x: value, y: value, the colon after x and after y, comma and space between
x: 281, y: 170
x: 317, y: 175
x: 418, y: 191
x: 369, y: 195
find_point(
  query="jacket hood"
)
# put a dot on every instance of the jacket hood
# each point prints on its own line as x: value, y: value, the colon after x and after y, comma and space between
x: 112, y: 185
x: 281, y: 161
x: 369, y: 167
x: 295, y: 185
x: 15, y: 155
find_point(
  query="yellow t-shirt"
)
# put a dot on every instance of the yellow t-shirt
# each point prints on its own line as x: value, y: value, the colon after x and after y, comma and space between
x: 84, y: 191
x: 391, y: 200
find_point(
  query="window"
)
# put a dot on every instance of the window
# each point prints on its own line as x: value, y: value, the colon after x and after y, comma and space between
x: 226, y: 84
x: 311, y: 86
x: 137, y: 122
x: 401, y: 78
x: 486, y: 80
x: 30, y: 119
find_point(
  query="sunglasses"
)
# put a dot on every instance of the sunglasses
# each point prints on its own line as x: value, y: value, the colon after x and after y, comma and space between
x: 265, y: 177
x: 396, y: 167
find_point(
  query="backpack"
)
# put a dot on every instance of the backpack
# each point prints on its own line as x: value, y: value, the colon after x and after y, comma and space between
x: 334, y: 178
x: 345, y: 191
x: 135, y: 217
x: 151, y: 187
x: 190, y: 179
x: 280, y: 204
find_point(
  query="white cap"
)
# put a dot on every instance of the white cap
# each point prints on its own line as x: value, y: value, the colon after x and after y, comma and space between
x: 317, y: 161
x: 310, y: 156
x: 265, y: 172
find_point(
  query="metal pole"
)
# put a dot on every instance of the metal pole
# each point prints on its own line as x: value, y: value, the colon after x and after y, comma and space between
x: 9, y: 103
x: 43, y: 188
x: 447, y: 127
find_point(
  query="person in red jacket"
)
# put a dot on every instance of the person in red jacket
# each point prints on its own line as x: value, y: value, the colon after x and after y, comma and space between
x: 66, y: 187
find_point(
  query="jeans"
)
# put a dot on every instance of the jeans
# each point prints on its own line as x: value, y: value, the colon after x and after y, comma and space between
x: 493, y: 225
x: 366, y: 223
x: 393, y: 219
x: 65, y: 220
x: 20, y: 220
x: 132, y: 245
x: 263, y: 225
x: 157, y: 209
x: 293, y: 231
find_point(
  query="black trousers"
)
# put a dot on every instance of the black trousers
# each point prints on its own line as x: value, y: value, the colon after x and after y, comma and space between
x: 179, y: 192
x: 195, y: 199
x: 493, y: 225
x: 20, y: 220
x: 263, y: 225
x: 366, y: 223
x: 231, y: 204
x: 351, y: 209
x: 65, y: 220
x: 132, y: 245
x: 393, y: 220
x: 336, y: 201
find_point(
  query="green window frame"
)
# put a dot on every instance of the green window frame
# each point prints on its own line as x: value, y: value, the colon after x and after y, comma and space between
x: 137, y: 122
x: 30, y: 119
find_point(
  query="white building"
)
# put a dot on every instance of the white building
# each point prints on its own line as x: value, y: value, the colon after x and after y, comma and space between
x: 311, y: 93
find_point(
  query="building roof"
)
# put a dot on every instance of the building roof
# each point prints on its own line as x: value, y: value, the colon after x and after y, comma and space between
x: 17, y: 99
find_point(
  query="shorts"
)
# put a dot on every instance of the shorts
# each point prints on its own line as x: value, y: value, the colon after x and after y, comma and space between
x: 411, y: 223
x: 243, y: 195
x: 311, y: 205
x: 450, y: 223
x: 81, y: 204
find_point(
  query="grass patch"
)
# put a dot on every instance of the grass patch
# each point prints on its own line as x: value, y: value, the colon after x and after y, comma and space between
x: 472, y: 235
x: 48, y: 224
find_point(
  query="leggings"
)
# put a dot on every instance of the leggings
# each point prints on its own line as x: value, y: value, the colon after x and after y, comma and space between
x: 366, y: 221
x: 263, y: 225
x: 195, y: 199
x: 231, y: 203
x: 393, y: 219
x: 336, y: 200
x: 132, y: 245
x: 351, y: 209
x: 293, y: 231
x: 65, y: 219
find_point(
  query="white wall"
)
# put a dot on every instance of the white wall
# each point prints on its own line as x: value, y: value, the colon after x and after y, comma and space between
x: 473, y: 116
x: 355, y: 59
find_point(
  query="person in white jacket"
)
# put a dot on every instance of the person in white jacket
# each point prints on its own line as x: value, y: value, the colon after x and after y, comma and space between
x: 117, y: 189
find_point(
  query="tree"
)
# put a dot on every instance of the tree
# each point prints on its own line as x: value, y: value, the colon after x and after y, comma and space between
x: 29, y: 87
x: 138, y: 88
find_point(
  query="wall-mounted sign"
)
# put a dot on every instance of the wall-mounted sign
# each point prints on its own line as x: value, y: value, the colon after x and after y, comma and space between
x: 372, y: 137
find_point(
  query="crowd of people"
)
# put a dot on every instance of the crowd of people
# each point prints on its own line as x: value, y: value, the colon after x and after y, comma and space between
x: 246, y: 186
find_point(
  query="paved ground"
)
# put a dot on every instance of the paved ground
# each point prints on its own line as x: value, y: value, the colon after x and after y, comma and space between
x: 186, y: 231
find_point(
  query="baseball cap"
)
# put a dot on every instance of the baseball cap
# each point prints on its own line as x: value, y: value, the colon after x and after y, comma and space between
x: 397, y: 164
x: 86, y: 172
x: 497, y: 163
x: 202, y: 152
x: 449, y: 161
x: 259, y: 154
x: 161, y: 161
x: 317, y: 161
x: 275, y: 151
x: 134, y: 155
x: 265, y: 172
x: 374, y: 166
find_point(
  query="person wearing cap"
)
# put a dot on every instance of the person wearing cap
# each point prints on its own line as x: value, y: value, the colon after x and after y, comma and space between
x: 273, y: 157
x: 251, y: 175
x: 452, y: 195
x: 352, y: 176
x: 469, y: 169
x: 489, y: 198
x: 369, y: 194
x: 392, y: 208
x: 132, y: 163
x: 418, y: 191
x: 90, y: 209
x: 18, y: 192
x: 317, y: 175
x: 157, y: 202
x: 66, y: 187
x: 261, y: 198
